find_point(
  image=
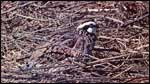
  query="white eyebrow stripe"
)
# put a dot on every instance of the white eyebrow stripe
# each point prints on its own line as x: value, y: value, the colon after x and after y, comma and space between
x: 84, y: 24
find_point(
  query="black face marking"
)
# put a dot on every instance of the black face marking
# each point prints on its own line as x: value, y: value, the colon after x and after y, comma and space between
x: 89, y: 26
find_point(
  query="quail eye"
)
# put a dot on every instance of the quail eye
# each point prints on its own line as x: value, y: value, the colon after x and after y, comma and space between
x: 85, y: 27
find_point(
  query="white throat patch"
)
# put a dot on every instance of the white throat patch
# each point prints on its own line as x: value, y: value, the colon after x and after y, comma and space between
x: 84, y: 24
x: 91, y: 30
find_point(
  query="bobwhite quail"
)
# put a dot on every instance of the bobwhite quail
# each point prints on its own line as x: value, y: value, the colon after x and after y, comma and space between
x: 67, y: 44
x: 75, y: 43
x: 48, y: 60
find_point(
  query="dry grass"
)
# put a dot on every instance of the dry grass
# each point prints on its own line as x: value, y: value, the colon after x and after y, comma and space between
x: 122, y: 25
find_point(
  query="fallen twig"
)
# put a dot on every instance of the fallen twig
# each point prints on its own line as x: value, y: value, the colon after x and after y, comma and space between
x: 132, y: 51
x: 105, y: 37
x: 143, y: 46
x: 96, y: 48
x: 11, y: 9
x: 136, y: 19
x: 115, y: 20
x: 28, y: 17
x: 122, y: 72
x: 136, y: 79
x: 43, y: 6
x: 106, y: 59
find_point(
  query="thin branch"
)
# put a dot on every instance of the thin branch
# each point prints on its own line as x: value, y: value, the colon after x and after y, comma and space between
x: 136, y: 19
x: 96, y: 48
x: 14, y: 8
x: 105, y: 37
x: 143, y: 46
x: 115, y: 20
x: 132, y: 51
x: 28, y: 17
x: 122, y: 72
x: 106, y: 59
x: 43, y: 6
